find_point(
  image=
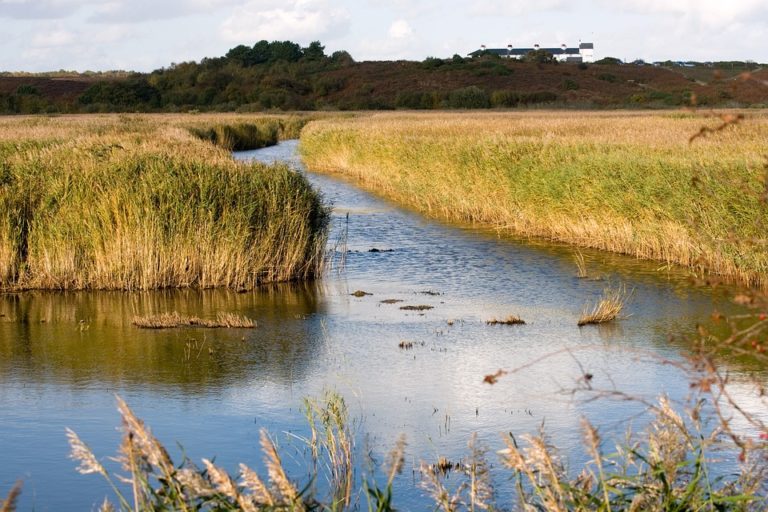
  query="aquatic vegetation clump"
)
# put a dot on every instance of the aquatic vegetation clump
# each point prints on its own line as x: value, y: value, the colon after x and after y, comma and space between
x: 510, y: 320
x: 172, y: 320
x: 608, y: 307
x: 136, y: 204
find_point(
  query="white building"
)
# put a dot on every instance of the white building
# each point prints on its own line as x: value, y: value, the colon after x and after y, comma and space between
x: 584, y: 53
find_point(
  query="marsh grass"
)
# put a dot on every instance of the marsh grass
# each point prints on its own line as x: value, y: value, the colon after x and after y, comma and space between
x: 173, y: 320
x: 510, y: 320
x: 630, y: 183
x: 138, y: 203
x: 664, y: 467
x: 608, y: 307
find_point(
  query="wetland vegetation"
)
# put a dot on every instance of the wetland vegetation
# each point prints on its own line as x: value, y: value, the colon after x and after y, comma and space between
x: 136, y: 203
x: 630, y: 183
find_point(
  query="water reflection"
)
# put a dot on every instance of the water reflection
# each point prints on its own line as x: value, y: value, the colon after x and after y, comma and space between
x: 79, y: 337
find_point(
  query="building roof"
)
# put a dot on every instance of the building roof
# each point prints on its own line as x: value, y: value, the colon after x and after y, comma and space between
x: 587, y: 46
x: 501, y: 52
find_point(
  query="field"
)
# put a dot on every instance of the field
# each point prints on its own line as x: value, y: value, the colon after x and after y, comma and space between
x: 632, y: 183
x: 139, y: 202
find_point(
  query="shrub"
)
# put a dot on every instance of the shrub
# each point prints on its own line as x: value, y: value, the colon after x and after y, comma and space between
x: 469, y: 97
x: 607, y: 77
x: 570, y: 85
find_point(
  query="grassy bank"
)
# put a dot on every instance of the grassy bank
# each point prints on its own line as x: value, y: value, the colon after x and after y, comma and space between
x: 139, y: 203
x: 628, y: 183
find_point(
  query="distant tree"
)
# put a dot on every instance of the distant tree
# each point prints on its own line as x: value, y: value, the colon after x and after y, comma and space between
x: 469, y: 97
x: 432, y: 63
x: 315, y: 51
x: 342, y: 58
x: 458, y: 59
x: 284, y: 50
x: 609, y: 61
x: 539, y: 57
x: 27, y: 90
x: 241, y: 54
x: 262, y: 52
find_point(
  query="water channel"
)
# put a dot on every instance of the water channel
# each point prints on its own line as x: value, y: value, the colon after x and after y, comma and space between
x: 64, y: 356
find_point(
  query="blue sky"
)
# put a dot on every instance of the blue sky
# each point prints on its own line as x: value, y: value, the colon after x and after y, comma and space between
x: 42, y: 35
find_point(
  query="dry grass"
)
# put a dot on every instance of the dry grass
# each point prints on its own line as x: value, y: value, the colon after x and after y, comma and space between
x: 420, y: 307
x: 173, y: 320
x: 664, y: 468
x: 137, y: 202
x: 581, y: 266
x: 510, y: 320
x: 607, y: 308
x: 9, y: 504
x: 623, y: 182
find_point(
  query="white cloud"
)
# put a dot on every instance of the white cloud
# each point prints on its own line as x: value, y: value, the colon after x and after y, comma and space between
x: 298, y: 20
x: 515, y: 7
x: 400, y: 29
x: 54, y: 38
x: 41, y: 9
x: 709, y: 12
x: 399, y: 43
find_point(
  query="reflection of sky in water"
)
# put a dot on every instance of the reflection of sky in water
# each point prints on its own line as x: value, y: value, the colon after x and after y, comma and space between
x: 317, y: 336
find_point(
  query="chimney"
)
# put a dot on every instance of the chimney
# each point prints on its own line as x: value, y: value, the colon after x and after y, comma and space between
x: 564, y: 46
x: 536, y: 46
x: 482, y: 47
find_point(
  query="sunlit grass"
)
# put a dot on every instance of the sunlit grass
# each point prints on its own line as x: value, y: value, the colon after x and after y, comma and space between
x: 623, y: 182
x: 137, y: 202
x: 608, y: 307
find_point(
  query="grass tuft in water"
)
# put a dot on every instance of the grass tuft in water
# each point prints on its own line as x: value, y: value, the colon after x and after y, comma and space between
x: 607, y: 308
x: 172, y: 320
x: 510, y: 320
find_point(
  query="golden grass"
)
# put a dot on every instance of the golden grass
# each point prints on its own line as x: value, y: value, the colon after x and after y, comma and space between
x: 581, y: 266
x: 510, y: 320
x: 9, y: 503
x: 137, y: 202
x: 173, y: 320
x: 607, y: 308
x: 623, y: 182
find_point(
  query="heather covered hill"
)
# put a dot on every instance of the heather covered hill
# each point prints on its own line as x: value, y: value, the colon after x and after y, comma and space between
x: 284, y: 76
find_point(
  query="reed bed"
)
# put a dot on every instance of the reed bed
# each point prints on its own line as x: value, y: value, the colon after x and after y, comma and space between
x: 631, y: 183
x: 137, y: 202
x: 173, y: 320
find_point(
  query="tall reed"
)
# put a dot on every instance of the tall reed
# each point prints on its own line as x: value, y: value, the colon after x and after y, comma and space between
x: 140, y: 204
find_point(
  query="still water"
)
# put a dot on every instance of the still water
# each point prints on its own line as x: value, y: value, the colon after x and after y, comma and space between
x: 64, y: 356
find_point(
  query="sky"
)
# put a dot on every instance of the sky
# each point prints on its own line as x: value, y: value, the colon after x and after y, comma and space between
x: 142, y: 35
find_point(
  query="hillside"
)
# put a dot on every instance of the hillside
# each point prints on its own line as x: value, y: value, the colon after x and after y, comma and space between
x: 284, y: 76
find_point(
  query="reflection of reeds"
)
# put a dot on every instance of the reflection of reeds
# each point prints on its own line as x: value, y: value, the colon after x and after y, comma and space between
x: 581, y: 266
x: 172, y: 320
x: 607, y: 307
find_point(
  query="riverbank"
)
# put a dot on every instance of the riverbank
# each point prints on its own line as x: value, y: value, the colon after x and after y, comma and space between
x: 630, y: 183
x: 139, y: 202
